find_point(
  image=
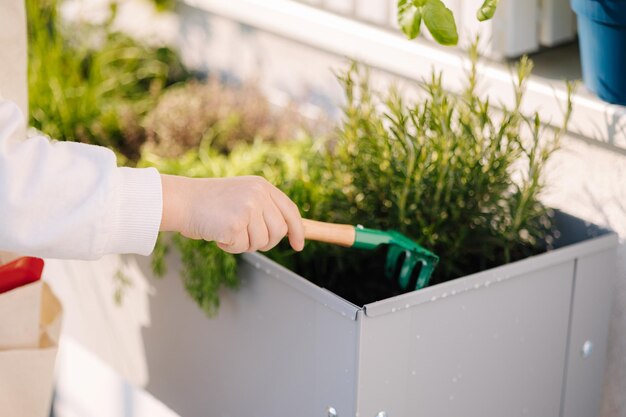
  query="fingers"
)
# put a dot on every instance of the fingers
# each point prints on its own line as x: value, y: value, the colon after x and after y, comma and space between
x: 240, y: 243
x: 258, y: 233
x: 254, y: 215
x: 236, y: 238
x: 292, y: 217
x: 276, y: 226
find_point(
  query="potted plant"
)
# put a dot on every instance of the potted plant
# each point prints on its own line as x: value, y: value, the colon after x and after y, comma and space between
x: 505, y: 329
x: 602, y: 38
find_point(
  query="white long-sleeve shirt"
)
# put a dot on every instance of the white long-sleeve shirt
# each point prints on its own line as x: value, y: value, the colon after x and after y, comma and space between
x: 70, y: 200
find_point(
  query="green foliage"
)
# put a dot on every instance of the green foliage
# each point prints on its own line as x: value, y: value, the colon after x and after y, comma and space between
x: 487, y: 10
x: 452, y: 172
x: 90, y: 84
x: 409, y: 18
x: 440, y: 22
x: 122, y: 282
x: 207, y: 269
x: 437, y: 17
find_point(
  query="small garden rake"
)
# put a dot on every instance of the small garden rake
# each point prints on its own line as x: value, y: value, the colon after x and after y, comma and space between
x: 403, y: 254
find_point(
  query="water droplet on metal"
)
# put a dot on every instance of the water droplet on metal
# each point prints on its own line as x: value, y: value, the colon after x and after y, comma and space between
x: 407, y: 305
x: 587, y: 349
x: 444, y: 295
x: 433, y: 298
x: 393, y: 310
x: 382, y: 414
x: 331, y: 412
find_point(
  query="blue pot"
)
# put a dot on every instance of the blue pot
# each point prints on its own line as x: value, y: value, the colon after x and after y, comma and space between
x: 602, y: 37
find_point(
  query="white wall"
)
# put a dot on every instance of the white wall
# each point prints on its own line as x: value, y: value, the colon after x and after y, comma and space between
x: 518, y: 26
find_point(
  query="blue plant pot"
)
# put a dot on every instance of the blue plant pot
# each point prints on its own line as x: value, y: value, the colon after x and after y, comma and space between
x: 602, y: 37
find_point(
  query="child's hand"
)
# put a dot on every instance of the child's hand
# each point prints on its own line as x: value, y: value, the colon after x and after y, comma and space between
x: 241, y: 214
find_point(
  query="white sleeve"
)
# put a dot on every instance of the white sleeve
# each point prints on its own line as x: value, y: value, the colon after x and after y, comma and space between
x: 70, y: 200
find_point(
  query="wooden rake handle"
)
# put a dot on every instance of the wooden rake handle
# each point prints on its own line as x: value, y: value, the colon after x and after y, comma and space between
x: 337, y: 234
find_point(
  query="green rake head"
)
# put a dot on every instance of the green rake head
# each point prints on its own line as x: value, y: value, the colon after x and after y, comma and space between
x: 403, y: 255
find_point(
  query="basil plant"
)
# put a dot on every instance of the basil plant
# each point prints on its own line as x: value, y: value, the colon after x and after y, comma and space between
x: 438, y: 19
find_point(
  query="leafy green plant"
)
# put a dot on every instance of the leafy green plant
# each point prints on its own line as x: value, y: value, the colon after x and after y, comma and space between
x: 453, y: 172
x: 461, y: 177
x: 90, y: 84
x: 438, y: 19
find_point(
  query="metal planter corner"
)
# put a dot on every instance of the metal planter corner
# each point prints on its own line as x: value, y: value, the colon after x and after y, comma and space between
x: 524, y: 339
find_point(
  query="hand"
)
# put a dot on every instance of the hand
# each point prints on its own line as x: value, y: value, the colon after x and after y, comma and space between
x: 241, y: 214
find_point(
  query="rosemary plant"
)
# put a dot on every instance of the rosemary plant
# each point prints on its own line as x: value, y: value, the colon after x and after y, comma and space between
x: 458, y: 175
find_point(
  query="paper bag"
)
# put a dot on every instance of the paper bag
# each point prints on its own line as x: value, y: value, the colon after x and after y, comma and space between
x: 30, y: 326
x: 6, y: 257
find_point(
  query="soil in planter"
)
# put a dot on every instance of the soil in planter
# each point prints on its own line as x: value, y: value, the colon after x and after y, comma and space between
x: 356, y: 275
x: 359, y: 276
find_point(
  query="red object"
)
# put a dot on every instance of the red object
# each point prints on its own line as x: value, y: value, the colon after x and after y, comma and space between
x: 20, y: 272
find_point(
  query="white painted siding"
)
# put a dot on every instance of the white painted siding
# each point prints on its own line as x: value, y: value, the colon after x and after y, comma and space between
x: 519, y: 26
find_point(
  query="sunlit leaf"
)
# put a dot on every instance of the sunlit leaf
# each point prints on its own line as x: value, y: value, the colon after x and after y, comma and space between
x: 487, y: 10
x: 440, y: 22
x: 409, y: 18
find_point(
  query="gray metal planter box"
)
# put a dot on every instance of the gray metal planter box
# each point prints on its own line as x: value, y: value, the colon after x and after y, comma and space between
x: 525, y: 339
